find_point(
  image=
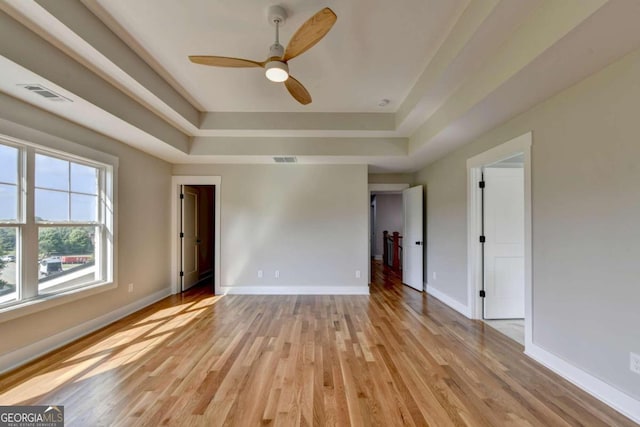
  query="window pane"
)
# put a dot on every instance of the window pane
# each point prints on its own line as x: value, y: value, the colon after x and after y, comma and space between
x: 52, y: 205
x: 8, y: 270
x: 67, y: 258
x: 8, y: 164
x: 84, y: 179
x: 52, y: 173
x: 8, y: 202
x: 84, y: 208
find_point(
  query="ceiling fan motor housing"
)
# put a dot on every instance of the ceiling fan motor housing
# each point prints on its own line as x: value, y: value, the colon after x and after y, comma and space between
x: 276, y: 51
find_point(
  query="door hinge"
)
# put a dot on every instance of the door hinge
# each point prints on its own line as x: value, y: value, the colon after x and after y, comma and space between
x: 181, y: 196
x: 481, y: 184
x: 182, y: 235
x: 483, y: 239
x: 182, y: 274
x: 482, y: 294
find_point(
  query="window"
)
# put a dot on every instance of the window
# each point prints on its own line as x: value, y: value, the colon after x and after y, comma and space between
x: 56, y: 222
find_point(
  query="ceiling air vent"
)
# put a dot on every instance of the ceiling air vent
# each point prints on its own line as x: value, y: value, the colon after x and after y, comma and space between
x: 45, y: 93
x: 286, y: 159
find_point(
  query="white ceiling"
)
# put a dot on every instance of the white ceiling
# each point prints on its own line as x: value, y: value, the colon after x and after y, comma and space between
x: 376, y: 50
x: 451, y: 70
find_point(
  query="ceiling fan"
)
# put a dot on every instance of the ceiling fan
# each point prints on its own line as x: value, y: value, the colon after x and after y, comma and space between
x: 276, y: 66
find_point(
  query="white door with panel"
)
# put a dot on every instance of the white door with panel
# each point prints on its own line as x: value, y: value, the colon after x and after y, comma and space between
x: 504, y: 243
x: 412, y: 244
x: 190, y: 273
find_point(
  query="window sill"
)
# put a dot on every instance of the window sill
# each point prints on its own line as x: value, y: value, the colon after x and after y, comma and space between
x: 45, y: 302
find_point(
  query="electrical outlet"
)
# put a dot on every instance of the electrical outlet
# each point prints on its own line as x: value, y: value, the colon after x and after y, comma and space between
x: 130, y: 287
x: 259, y: 274
x: 357, y: 274
x: 435, y: 276
x: 634, y: 362
x: 277, y: 274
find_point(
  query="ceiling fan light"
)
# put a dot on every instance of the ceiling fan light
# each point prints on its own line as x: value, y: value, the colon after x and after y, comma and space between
x: 276, y: 71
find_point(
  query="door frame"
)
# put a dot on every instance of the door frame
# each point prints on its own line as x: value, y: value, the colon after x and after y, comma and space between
x: 176, y: 183
x: 515, y: 146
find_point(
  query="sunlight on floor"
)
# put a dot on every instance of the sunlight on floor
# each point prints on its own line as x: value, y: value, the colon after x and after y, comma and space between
x: 112, y: 342
x: 46, y: 382
x: 109, y: 357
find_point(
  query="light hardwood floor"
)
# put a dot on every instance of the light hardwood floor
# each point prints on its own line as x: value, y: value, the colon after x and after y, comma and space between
x: 397, y: 357
x: 513, y: 328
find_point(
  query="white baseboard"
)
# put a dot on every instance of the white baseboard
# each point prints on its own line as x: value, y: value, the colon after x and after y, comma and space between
x: 621, y: 402
x: 295, y: 290
x: 21, y: 356
x: 446, y: 299
x: 378, y: 257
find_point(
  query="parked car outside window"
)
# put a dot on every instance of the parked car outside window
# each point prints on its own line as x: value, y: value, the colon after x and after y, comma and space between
x: 50, y: 266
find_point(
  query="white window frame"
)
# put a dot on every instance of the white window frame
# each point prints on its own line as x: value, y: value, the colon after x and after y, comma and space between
x: 28, y: 301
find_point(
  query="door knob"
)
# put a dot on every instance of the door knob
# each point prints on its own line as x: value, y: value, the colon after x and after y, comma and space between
x: 418, y: 243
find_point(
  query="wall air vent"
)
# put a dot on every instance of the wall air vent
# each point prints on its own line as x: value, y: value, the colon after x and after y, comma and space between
x: 46, y: 93
x: 285, y: 159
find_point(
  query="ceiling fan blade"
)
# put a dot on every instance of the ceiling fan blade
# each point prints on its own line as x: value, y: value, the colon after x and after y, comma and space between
x: 310, y: 33
x: 223, y: 61
x: 298, y: 91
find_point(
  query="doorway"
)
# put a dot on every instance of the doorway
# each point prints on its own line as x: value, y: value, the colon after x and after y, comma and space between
x: 398, y: 210
x: 502, y: 196
x: 197, y: 203
x: 195, y: 231
x: 499, y: 239
x: 378, y: 223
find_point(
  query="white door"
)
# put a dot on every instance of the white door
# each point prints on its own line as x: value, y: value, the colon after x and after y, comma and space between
x: 189, y: 238
x: 412, y: 252
x: 504, y: 244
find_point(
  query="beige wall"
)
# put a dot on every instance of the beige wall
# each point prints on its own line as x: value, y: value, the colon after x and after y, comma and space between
x: 143, y: 220
x: 307, y: 221
x: 585, y: 213
x: 390, y: 178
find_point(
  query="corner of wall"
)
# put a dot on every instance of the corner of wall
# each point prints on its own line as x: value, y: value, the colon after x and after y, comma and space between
x: 448, y: 301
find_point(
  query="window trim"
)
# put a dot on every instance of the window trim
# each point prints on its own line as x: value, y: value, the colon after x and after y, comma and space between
x: 19, y: 184
x: 32, y: 141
